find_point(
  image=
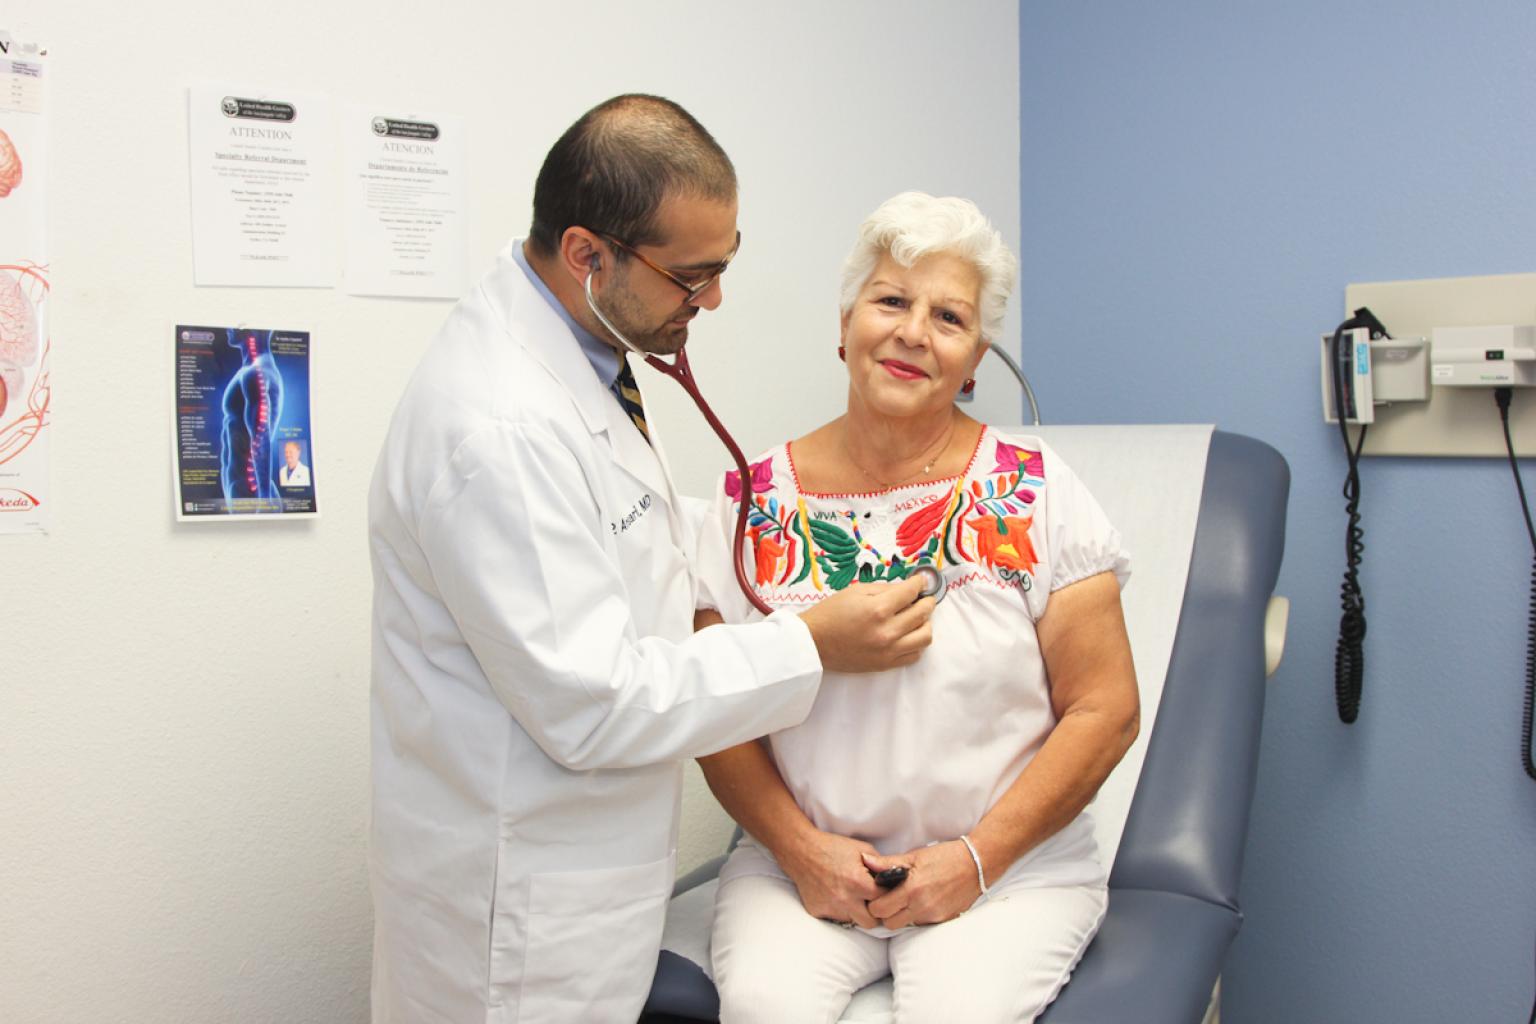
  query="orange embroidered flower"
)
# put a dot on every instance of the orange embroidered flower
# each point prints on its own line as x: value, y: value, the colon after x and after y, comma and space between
x: 769, y: 550
x: 1004, y: 542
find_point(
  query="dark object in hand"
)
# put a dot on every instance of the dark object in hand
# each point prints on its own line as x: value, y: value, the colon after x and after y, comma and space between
x: 890, y: 878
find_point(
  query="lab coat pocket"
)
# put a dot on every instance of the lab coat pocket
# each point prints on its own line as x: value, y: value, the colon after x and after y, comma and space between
x: 592, y: 942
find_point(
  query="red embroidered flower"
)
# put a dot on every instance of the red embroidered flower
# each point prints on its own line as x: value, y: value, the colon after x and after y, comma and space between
x: 1010, y: 457
x: 1005, y: 543
x: 762, y: 479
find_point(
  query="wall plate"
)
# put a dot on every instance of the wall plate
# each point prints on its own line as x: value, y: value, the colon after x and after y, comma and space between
x: 1455, y: 421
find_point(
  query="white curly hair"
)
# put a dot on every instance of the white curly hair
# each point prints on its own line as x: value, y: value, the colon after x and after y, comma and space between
x: 912, y: 225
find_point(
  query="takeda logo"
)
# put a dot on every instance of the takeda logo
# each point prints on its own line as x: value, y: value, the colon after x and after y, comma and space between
x: 12, y: 500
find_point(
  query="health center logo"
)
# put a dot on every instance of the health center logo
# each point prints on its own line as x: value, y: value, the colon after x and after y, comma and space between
x: 13, y: 500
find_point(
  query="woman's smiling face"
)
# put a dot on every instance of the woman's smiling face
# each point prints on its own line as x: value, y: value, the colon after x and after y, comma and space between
x: 913, y: 335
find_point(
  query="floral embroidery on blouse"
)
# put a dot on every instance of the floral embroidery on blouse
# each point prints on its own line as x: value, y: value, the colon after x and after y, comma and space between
x: 984, y: 518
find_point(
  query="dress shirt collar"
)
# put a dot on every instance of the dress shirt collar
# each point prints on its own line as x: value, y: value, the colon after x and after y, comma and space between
x: 604, y: 358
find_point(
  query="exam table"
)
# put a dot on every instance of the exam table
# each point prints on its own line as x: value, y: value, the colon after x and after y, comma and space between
x: 1202, y: 513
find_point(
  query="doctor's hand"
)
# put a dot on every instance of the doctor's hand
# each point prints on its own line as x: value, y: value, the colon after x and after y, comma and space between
x: 941, y: 885
x: 828, y: 870
x: 871, y: 626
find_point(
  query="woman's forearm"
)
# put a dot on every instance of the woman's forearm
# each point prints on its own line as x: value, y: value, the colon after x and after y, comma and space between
x: 1054, y: 788
x: 748, y: 785
x: 1093, y: 691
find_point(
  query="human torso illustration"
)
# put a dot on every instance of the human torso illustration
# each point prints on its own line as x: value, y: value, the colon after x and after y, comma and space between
x: 253, y: 405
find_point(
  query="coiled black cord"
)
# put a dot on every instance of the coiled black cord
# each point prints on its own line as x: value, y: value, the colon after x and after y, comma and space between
x: 1501, y: 397
x: 1530, y: 683
x: 1349, y: 654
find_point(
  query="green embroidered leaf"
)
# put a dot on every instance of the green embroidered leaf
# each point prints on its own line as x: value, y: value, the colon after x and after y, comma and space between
x: 840, y: 579
x: 866, y: 574
x: 833, y: 540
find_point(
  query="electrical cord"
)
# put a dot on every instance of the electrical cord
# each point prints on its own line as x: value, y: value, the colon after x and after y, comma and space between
x: 1501, y: 397
x: 1349, y: 653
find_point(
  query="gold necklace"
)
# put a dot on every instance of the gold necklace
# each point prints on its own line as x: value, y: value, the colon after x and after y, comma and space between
x: 938, y: 453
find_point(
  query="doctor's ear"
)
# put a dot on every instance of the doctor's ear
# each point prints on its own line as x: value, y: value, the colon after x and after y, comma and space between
x: 581, y: 253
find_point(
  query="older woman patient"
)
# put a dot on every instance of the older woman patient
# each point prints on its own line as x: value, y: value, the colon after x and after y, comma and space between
x: 974, y: 772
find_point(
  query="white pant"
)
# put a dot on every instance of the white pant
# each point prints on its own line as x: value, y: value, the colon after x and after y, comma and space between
x: 1003, y: 961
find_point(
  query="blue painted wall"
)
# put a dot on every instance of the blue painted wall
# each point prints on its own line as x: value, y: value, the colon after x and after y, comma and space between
x: 1200, y: 182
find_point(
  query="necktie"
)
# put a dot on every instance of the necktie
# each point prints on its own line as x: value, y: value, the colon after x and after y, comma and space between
x: 628, y: 391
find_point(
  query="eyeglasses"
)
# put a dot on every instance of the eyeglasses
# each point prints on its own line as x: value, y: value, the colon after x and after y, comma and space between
x: 693, y: 288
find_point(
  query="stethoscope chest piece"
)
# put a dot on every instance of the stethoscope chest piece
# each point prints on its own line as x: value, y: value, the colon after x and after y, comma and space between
x: 933, y: 582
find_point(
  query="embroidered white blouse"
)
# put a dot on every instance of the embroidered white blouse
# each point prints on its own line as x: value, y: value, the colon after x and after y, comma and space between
x: 918, y: 754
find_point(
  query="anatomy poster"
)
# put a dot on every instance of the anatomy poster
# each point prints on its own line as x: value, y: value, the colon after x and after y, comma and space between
x: 405, y: 204
x: 244, y: 445
x: 25, y: 342
x: 264, y: 188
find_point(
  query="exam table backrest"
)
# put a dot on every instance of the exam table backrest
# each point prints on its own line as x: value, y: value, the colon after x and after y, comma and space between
x: 1189, y: 818
x: 1173, y: 903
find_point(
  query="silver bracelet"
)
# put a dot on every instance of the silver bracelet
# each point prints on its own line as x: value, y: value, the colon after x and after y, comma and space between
x: 981, y: 876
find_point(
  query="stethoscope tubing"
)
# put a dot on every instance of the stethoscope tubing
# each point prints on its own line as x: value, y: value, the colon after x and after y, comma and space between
x: 680, y: 371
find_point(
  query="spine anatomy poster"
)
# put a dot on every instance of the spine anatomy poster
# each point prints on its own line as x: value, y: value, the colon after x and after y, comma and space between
x: 244, y: 443
x: 25, y: 342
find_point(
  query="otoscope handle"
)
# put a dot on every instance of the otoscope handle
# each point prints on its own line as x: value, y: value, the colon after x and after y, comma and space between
x: 680, y: 371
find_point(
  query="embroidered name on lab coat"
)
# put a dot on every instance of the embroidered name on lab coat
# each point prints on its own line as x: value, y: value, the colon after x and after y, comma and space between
x: 629, y: 519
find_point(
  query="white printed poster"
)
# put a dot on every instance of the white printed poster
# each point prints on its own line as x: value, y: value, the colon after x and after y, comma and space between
x: 404, y: 176
x: 25, y: 340
x: 264, y: 187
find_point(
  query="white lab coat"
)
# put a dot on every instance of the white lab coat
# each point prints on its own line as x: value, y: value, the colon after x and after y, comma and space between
x: 536, y: 681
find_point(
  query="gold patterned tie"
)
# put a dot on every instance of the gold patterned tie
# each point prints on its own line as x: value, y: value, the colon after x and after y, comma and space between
x: 628, y: 391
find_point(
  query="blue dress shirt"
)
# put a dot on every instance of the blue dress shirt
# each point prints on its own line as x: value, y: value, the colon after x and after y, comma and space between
x: 604, y: 358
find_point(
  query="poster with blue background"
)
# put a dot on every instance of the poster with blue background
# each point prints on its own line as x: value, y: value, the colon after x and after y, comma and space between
x: 244, y: 444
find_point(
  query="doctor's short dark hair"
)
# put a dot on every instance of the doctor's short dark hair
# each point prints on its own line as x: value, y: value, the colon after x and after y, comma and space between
x: 612, y: 169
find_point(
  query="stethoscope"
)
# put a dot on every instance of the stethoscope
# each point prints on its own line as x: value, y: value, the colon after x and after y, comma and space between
x: 679, y: 370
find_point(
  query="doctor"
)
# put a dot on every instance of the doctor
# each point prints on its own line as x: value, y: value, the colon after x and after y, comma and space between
x: 536, y: 679
x: 293, y: 473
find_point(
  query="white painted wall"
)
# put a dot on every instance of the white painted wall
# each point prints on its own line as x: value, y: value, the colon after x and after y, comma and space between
x: 183, y: 709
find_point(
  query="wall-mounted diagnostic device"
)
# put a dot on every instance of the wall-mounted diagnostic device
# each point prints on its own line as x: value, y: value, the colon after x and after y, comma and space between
x: 1429, y: 398
x: 1375, y: 371
x: 1484, y: 357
